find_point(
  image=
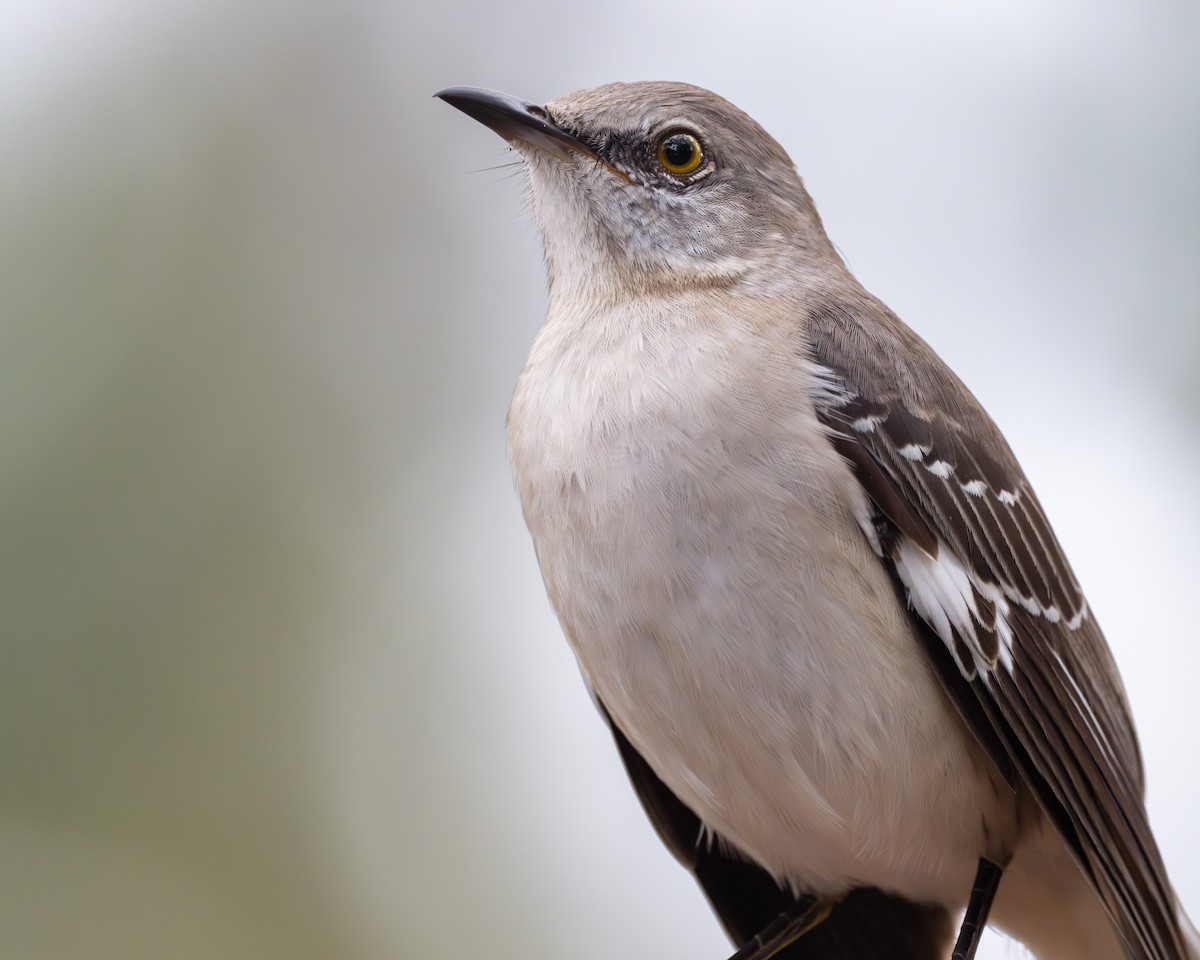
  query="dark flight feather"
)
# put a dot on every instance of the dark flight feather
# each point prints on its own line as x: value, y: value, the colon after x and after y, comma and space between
x: 1051, y: 704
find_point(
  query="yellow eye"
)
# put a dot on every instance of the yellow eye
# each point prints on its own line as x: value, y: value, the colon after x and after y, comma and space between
x: 680, y: 153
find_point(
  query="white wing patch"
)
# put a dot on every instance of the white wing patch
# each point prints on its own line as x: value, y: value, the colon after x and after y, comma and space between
x: 944, y: 593
x: 947, y: 596
x: 956, y: 602
x: 866, y: 424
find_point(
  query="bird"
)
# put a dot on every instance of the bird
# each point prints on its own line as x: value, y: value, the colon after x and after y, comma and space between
x: 849, y: 670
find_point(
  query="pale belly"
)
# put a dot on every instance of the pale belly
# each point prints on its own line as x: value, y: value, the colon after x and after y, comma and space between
x: 816, y: 741
x: 730, y: 614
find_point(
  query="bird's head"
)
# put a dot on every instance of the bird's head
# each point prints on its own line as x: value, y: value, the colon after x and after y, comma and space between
x: 643, y: 187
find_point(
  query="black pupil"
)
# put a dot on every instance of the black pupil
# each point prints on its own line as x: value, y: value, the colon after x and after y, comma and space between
x: 679, y: 150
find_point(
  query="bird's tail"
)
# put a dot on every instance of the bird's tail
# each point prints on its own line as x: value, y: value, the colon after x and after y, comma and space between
x: 1191, y: 938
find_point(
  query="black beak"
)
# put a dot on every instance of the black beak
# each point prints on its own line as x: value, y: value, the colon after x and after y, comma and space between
x: 514, y: 119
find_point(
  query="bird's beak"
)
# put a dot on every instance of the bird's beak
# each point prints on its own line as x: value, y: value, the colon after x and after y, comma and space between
x: 517, y: 121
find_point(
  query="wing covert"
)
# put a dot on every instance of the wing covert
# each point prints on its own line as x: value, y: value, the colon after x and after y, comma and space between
x: 964, y: 534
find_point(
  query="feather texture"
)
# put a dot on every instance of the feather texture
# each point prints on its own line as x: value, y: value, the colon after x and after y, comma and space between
x: 866, y: 925
x: 997, y: 591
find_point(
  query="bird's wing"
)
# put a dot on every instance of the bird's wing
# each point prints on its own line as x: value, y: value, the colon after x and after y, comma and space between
x: 961, y: 529
x: 866, y: 925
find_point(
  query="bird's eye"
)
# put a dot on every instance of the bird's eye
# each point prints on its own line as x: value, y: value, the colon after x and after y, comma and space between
x: 680, y: 153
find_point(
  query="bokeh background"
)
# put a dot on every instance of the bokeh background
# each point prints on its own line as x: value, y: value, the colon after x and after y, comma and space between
x: 277, y: 675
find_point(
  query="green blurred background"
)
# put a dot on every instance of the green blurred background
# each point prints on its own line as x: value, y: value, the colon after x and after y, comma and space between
x: 277, y: 675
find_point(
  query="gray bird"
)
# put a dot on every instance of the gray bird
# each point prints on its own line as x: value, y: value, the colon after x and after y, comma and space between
x: 845, y: 661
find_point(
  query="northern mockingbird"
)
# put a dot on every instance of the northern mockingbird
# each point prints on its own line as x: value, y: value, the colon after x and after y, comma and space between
x: 847, y: 665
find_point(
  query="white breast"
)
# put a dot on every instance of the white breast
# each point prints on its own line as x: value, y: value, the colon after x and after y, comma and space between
x: 699, y: 539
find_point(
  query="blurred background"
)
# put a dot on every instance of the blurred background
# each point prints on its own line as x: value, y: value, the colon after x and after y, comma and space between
x: 277, y: 674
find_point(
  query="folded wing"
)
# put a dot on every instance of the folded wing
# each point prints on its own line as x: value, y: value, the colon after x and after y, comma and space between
x: 960, y: 528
